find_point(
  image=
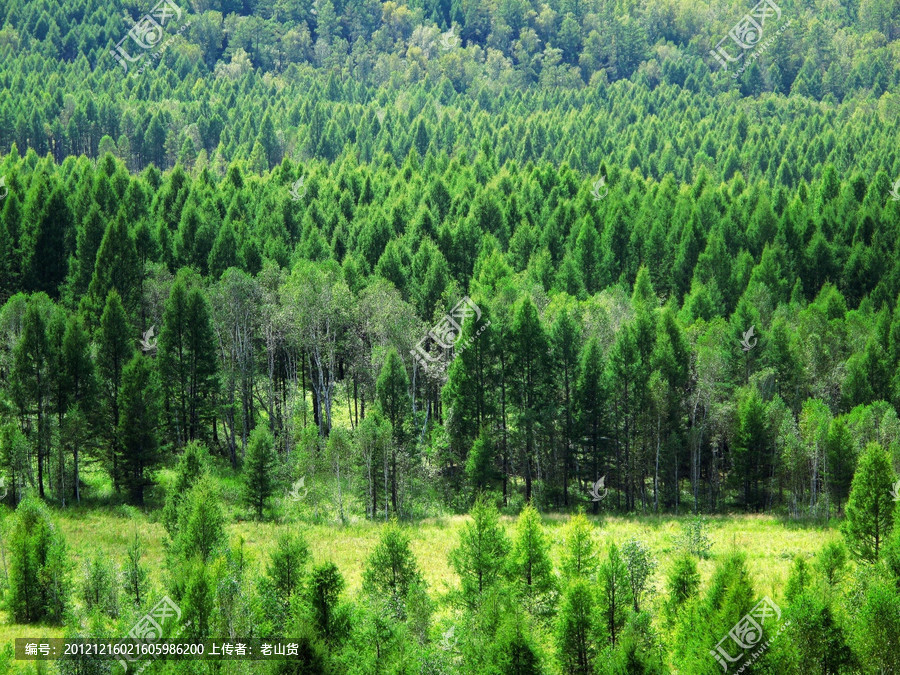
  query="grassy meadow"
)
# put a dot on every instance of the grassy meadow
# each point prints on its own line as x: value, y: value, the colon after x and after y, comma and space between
x: 770, y: 545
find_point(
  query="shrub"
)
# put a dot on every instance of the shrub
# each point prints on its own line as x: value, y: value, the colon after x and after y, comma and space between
x: 640, y: 565
x: 322, y: 593
x: 38, y: 586
x: 100, y: 589
x: 134, y: 574
x: 391, y: 569
x: 190, y: 467
x: 682, y: 583
x: 200, y: 530
x: 287, y: 564
x: 259, y: 469
x: 832, y: 562
x: 870, y: 509
x: 579, y: 552
x: 694, y: 537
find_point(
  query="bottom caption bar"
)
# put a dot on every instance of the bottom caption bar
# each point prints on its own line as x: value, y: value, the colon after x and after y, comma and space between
x: 129, y: 650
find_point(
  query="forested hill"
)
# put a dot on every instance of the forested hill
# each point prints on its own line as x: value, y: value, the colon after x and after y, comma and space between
x: 691, y: 283
x: 582, y: 82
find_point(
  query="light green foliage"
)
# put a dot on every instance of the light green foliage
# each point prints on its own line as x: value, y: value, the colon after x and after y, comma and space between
x: 641, y: 566
x: 831, y: 562
x: 815, y: 637
x: 198, y: 600
x: 190, y: 467
x: 576, y: 628
x: 579, y: 553
x: 682, y: 583
x: 615, y: 597
x: 529, y: 560
x: 391, y: 570
x: 694, y: 538
x: 287, y: 563
x: 870, y: 509
x: 100, y: 586
x: 877, y: 628
x: 799, y: 580
x: 200, y: 528
x: 480, y: 558
x: 135, y: 579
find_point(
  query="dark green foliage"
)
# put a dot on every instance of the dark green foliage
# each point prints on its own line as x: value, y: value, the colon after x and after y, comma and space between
x: 14, y: 455
x: 480, y: 471
x: 259, y: 467
x: 38, y: 566
x: 435, y: 169
x: 323, y: 590
x: 138, y: 422
x: 30, y: 380
x: 114, y: 353
x: 187, y: 362
x: 392, y: 394
x: 815, y: 636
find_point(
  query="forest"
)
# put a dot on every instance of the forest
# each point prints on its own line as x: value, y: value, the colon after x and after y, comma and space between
x: 484, y: 336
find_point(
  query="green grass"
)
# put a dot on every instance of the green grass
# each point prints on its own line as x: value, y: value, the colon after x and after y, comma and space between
x: 770, y: 546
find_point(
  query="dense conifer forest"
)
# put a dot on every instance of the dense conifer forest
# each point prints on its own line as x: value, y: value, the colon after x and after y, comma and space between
x: 483, y: 336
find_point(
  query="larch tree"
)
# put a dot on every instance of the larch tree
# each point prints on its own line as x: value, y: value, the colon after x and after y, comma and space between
x: 870, y: 509
x: 392, y: 390
x: 138, y: 422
